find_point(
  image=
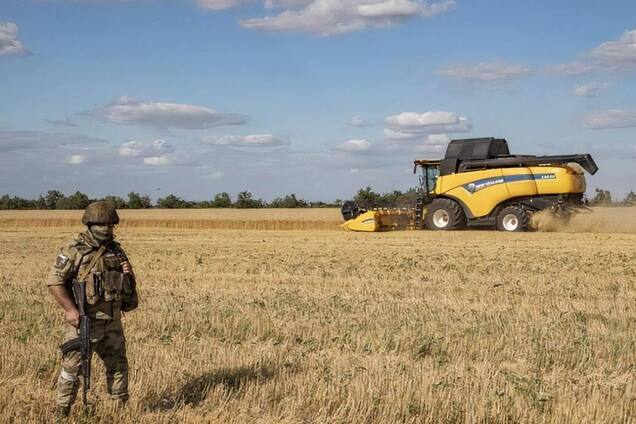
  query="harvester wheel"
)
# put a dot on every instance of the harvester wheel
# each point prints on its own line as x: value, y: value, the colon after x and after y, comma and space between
x: 513, y: 219
x: 444, y: 215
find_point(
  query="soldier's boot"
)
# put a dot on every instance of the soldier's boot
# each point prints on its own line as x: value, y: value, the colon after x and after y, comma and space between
x: 62, y: 413
x: 117, y: 404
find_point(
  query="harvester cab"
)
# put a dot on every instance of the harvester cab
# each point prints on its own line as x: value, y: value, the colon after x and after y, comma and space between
x: 478, y: 182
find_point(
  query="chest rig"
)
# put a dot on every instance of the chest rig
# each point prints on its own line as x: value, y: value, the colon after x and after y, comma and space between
x: 104, y: 278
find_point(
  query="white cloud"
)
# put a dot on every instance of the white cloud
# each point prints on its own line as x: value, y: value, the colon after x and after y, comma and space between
x: 66, y: 122
x: 19, y: 140
x: 414, y: 119
x: 220, y: 4
x: 611, y: 118
x: 76, y: 159
x: 359, y: 154
x: 131, y: 149
x: 413, y: 125
x: 613, y: 55
x: 617, y: 53
x: 434, y: 143
x: 495, y: 71
x: 291, y: 4
x: 437, y: 140
x: 9, y: 43
x: 213, y: 176
x: 355, y: 145
x: 399, y: 135
x: 129, y: 111
x: 140, y: 149
x: 268, y: 4
x: 162, y: 160
x: 333, y: 17
x: 358, y: 121
x: 592, y: 89
x: 186, y: 160
x: 571, y: 68
x: 255, y: 140
x: 158, y: 153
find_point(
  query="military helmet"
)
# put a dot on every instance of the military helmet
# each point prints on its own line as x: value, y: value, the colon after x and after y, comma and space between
x: 101, y: 213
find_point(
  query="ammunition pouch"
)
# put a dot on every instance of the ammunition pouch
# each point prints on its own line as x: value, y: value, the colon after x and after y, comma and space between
x: 113, y: 286
x: 92, y: 283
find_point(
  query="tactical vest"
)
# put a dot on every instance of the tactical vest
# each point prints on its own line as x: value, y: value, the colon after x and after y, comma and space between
x: 106, y: 281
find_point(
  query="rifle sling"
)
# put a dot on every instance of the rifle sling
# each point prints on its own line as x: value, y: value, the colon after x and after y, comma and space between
x: 82, y: 275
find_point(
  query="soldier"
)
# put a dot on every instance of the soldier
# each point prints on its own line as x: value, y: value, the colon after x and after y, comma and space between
x: 110, y: 288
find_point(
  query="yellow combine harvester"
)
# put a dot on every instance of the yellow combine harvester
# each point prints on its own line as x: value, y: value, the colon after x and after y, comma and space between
x: 480, y: 183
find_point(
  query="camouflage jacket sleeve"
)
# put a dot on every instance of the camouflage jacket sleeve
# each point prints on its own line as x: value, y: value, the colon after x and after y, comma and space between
x: 65, y: 265
x: 119, y: 250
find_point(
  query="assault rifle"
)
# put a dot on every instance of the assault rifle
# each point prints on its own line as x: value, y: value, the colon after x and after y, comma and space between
x: 83, y: 342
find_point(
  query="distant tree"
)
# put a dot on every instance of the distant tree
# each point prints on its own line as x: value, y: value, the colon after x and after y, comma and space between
x: 4, y: 202
x: 406, y: 199
x: 77, y: 200
x: 367, y: 198
x: 289, y: 201
x: 172, y: 202
x: 11, y: 203
x: 221, y: 200
x: 39, y: 203
x: 51, y: 198
x: 602, y: 197
x: 630, y: 199
x: 137, y: 201
x: 319, y: 204
x: 244, y: 200
x: 117, y: 201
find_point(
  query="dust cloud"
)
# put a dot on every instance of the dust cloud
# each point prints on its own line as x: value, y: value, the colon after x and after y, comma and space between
x: 600, y: 220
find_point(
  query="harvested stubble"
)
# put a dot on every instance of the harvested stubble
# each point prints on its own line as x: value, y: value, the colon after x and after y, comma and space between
x: 324, y: 326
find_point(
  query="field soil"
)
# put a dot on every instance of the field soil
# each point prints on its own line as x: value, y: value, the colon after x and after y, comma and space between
x: 321, y: 326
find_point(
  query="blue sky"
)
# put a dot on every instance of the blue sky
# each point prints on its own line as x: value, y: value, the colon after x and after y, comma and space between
x: 314, y: 97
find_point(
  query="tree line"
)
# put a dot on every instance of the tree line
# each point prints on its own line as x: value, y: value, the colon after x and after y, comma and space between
x: 365, y: 197
x: 55, y: 199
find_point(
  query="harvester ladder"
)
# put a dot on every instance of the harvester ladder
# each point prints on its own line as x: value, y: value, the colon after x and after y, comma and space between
x: 419, y: 207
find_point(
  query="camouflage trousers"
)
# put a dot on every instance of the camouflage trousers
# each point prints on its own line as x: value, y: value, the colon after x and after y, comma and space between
x: 107, y: 340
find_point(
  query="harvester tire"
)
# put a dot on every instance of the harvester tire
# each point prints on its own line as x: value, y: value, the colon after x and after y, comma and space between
x: 445, y: 215
x: 513, y: 219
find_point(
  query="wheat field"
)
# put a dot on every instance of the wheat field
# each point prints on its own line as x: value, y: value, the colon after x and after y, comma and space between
x: 323, y: 326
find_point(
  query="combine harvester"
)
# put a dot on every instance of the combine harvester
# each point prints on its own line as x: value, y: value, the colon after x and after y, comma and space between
x: 480, y: 183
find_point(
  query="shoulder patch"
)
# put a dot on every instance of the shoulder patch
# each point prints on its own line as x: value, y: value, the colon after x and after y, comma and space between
x: 61, y: 261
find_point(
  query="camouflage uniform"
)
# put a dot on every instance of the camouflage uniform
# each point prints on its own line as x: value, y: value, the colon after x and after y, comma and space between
x: 105, y: 304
